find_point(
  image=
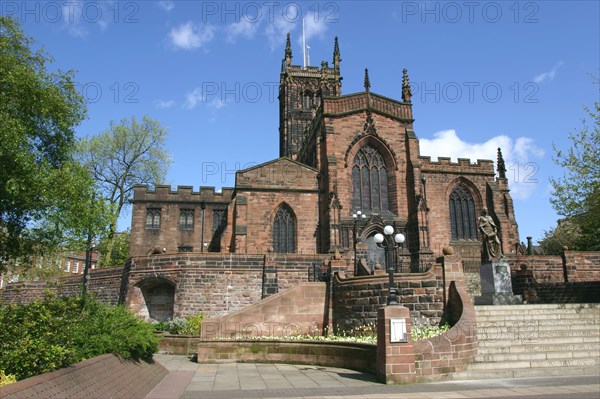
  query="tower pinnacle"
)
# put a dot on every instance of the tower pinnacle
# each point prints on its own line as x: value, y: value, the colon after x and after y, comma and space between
x: 336, y: 54
x: 406, y: 92
x: 288, y: 51
x: 367, y: 81
x: 501, y: 168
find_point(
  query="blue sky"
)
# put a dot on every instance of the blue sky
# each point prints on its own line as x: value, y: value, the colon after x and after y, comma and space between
x: 484, y: 74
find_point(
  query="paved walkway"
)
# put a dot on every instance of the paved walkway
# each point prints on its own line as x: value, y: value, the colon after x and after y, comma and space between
x: 189, y: 380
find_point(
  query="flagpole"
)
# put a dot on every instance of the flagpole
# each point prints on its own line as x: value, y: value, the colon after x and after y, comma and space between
x: 303, y: 45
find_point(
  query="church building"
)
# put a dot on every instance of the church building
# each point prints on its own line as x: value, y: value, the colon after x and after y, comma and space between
x: 338, y: 154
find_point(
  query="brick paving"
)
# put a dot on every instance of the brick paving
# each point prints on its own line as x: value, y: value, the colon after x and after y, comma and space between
x: 188, y: 380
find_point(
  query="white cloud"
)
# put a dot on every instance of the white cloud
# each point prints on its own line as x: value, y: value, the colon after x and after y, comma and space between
x: 196, y: 96
x: 188, y: 36
x: 520, y: 156
x: 547, y: 75
x: 192, y: 98
x: 277, y: 29
x: 164, y: 104
x: 244, y: 28
x: 166, y: 5
x: 72, y: 12
x: 313, y: 27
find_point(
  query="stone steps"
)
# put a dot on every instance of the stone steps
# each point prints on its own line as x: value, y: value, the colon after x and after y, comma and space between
x: 536, y: 340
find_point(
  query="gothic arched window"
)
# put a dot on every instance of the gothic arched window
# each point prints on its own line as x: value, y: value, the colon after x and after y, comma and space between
x: 284, y: 231
x: 369, y: 180
x: 463, y: 221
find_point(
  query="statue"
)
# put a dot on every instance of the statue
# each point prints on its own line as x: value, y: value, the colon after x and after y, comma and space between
x: 491, y: 243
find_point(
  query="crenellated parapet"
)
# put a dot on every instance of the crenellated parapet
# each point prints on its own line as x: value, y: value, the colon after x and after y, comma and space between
x: 462, y: 167
x: 165, y: 193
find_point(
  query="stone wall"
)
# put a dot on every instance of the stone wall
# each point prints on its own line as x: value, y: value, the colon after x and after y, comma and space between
x: 578, y: 265
x: 103, y: 283
x: 352, y: 356
x: 203, y: 205
x: 214, y: 284
x: 298, y: 310
x: 438, y: 357
x: 104, y: 376
x: 356, y: 299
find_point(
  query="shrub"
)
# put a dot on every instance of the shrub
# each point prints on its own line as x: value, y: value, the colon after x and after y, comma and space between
x: 192, y: 326
x: 424, y: 331
x: 178, y: 325
x: 6, y: 379
x: 57, y: 332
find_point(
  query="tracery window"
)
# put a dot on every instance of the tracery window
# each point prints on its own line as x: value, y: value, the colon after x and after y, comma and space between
x: 284, y: 231
x: 369, y: 180
x: 186, y: 219
x: 153, y: 218
x: 463, y: 221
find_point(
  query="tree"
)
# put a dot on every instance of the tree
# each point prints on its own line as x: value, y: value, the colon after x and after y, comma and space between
x: 40, y: 181
x: 576, y: 195
x: 126, y: 154
x: 565, y: 234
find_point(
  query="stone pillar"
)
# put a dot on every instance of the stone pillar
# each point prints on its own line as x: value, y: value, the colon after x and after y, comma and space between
x: 395, y: 360
x: 496, y: 284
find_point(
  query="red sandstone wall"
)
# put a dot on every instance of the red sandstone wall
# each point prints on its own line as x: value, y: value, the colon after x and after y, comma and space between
x: 581, y: 266
x: 104, y: 283
x: 439, y: 357
x: 298, y: 310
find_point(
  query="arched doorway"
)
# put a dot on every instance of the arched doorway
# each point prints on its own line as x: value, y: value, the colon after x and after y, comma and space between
x: 156, y: 298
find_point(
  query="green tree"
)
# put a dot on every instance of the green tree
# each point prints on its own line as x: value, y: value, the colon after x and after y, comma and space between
x: 42, y: 187
x: 576, y: 195
x: 128, y: 153
x: 565, y: 234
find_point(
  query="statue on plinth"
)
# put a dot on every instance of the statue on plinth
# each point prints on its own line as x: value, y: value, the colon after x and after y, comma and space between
x: 492, y: 249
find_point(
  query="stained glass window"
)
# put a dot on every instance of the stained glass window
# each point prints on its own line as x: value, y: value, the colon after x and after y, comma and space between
x: 284, y: 231
x: 463, y: 220
x: 369, y: 180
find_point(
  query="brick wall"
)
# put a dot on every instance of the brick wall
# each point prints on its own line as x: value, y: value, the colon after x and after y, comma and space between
x: 104, y: 376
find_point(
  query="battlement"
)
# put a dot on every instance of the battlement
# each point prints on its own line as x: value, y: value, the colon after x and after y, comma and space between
x: 463, y: 166
x: 310, y: 71
x: 165, y: 193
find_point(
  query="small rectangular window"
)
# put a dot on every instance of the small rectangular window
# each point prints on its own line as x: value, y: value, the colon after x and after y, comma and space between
x: 184, y: 249
x: 68, y: 266
x: 153, y: 218
x: 76, y: 267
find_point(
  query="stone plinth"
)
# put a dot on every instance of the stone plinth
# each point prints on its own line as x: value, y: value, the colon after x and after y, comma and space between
x: 395, y: 360
x: 496, y: 285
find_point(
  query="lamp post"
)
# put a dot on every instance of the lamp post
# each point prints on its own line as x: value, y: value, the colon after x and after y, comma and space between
x: 358, y: 217
x: 389, y: 243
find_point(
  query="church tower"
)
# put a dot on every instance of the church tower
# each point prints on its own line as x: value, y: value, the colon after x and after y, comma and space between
x: 300, y: 92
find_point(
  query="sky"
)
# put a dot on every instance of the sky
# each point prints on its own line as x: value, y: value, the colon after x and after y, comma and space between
x: 484, y: 74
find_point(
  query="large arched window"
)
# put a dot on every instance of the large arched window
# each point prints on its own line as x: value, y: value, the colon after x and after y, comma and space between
x: 463, y: 221
x: 284, y: 231
x: 369, y: 180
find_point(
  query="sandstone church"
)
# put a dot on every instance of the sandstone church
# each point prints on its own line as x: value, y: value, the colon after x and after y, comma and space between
x: 338, y: 154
